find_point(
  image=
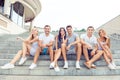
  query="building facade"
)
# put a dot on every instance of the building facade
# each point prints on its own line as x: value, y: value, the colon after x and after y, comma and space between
x: 15, y: 13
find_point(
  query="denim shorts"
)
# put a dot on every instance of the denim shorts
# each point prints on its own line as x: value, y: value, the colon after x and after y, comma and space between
x: 44, y: 51
x: 72, y: 51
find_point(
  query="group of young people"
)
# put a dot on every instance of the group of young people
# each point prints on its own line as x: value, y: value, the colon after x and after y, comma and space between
x: 64, y: 43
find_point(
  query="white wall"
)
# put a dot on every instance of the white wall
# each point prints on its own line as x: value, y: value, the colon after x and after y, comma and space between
x: 11, y: 28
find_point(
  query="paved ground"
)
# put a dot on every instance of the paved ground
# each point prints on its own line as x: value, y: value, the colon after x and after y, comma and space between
x: 8, y: 77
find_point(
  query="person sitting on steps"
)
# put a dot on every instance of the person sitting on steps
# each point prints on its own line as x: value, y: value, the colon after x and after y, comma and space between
x: 29, y: 47
x: 46, y: 41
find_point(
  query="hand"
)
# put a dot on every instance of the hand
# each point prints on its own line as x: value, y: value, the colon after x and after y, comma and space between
x: 93, y: 53
x: 18, y: 38
x: 63, y: 36
x: 68, y: 47
x: 43, y: 45
x: 89, y: 46
x: 106, y: 37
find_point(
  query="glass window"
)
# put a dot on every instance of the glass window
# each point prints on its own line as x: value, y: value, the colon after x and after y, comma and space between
x: 2, y: 6
x: 17, y: 11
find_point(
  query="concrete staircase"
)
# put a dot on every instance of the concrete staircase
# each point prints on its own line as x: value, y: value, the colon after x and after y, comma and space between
x: 9, y: 47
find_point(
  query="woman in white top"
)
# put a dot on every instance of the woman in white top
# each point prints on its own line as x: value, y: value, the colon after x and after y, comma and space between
x: 104, y: 44
x: 29, y: 47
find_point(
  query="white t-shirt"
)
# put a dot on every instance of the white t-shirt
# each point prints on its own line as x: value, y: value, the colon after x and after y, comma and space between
x: 91, y: 41
x: 46, y: 39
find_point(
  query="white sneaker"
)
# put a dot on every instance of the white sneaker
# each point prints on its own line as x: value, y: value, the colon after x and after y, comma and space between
x: 32, y: 66
x: 113, y: 63
x: 8, y: 66
x: 93, y: 66
x: 110, y: 66
x: 65, y: 65
x: 22, y: 60
x: 77, y: 65
x: 52, y: 65
x: 57, y: 69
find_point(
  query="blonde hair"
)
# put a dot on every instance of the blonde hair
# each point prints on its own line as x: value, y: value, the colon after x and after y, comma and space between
x: 102, y: 31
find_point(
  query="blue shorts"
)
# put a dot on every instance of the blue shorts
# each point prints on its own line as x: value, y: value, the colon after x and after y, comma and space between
x: 89, y: 53
x: 44, y: 51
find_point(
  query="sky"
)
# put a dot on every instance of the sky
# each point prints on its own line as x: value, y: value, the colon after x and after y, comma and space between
x: 78, y: 13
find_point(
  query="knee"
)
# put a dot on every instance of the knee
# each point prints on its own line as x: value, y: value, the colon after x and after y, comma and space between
x: 108, y: 55
x: 63, y: 45
x: 84, y: 46
x: 79, y: 45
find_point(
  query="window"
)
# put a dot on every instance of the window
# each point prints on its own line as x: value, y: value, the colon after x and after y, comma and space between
x: 2, y: 6
x: 17, y: 12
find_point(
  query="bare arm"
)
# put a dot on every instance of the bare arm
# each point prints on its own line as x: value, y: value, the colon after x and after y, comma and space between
x: 73, y: 43
x: 50, y: 43
x: 34, y: 40
x: 56, y: 40
x: 107, y: 42
x: 84, y: 43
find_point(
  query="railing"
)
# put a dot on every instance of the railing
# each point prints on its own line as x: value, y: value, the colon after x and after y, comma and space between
x: 115, y: 36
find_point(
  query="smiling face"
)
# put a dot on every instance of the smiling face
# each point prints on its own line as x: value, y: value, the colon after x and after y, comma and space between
x: 47, y: 29
x: 69, y: 30
x: 90, y: 30
x: 102, y: 33
x: 62, y: 32
x: 34, y: 31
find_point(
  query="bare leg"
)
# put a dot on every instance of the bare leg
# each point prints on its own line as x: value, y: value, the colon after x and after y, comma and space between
x: 78, y: 52
x: 25, y: 47
x: 94, y: 58
x: 50, y: 50
x: 17, y: 57
x: 108, y: 52
x: 106, y: 58
x: 63, y: 47
x: 57, y: 55
x: 85, y: 52
x: 38, y: 50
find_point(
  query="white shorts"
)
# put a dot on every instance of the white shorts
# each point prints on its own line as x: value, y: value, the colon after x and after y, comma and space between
x: 32, y: 51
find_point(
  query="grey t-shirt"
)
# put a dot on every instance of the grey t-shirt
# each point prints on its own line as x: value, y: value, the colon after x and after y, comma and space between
x: 72, y: 39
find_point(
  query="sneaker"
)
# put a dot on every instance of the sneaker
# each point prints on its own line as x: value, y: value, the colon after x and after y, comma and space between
x: 93, y: 66
x: 110, y: 66
x: 77, y: 65
x: 113, y: 63
x: 8, y: 66
x: 57, y: 69
x: 22, y: 60
x: 66, y: 65
x: 32, y: 66
x: 52, y: 65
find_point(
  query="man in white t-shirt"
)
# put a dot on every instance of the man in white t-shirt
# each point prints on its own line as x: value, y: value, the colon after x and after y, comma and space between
x: 46, y: 41
x: 90, y: 49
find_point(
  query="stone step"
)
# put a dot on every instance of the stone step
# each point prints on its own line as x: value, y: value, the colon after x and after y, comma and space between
x: 71, y: 71
x: 46, y: 57
x: 15, y: 50
x: 60, y: 62
x: 27, y: 77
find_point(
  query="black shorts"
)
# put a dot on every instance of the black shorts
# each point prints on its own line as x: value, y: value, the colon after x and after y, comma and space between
x: 89, y: 53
